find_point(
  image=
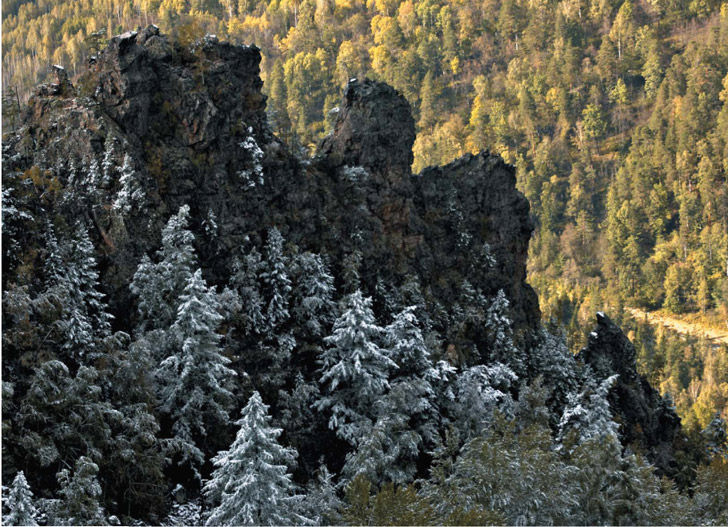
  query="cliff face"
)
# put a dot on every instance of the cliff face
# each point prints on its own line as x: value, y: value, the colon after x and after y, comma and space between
x: 190, y: 126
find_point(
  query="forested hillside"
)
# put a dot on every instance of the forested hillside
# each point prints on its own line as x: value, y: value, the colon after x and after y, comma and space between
x: 205, y: 324
x: 613, y: 112
x: 201, y: 326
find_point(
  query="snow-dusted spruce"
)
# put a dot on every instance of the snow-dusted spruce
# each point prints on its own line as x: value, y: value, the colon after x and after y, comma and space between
x: 479, y: 391
x: 20, y: 503
x: 254, y: 176
x: 244, y: 282
x: 500, y: 334
x: 555, y: 364
x: 412, y: 390
x: 251, y: 483
x: 277, y: 285
x: 314, y: 291
x: 321, y: 502
x: 587, y: 415
x: 131, y: 193
x: 407, y: 414
x: 108, y: 165
x: 354, y: 370
x: 160, y: 285
x: 193, y: 379
x: 714, y: 437
x: 74, y: 280
x: 81, y: 493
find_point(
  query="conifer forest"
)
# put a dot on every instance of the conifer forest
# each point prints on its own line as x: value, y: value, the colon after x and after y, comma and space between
x: 364, y: 262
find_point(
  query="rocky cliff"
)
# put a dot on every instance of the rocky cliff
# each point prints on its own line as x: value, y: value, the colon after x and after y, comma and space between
x: 189, y: 126
x: 153, y: 126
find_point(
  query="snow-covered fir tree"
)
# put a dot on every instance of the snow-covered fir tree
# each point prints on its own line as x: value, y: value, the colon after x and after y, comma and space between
x: 69, y: 415
x: 378, y: 452
x: 91, y: 184
x: 714, y: 436
x: 209, y: 224
x: 159, y: 286
x: 20, y: 503
x: 296, y: 415
x: 351, y: 271
x: 322, y: 502
x: 14, y: 222
x: 478, y: 392
x: 251, y: 483
x: 74, y: 279
x: 555, y: 364
x: 81, y: 493
x: 354, y: 370
x: 498, y: 327
x: 587, y: 414
x: 245, y: 282
x: 407, y: 416
x: 416, y: 373
x: 108, y: 165
x: 194, y: 378
x: 275, y: 279
x: 314, y: 291
x: 131, y: 193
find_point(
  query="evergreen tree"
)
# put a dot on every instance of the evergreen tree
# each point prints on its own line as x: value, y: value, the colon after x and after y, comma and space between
x: 81, y: 493
x: 322, y: 503
x: 478, y: 392
x: 555, y: 364
x: 407, y: 414
x: 245, y: 281
x: 251, y: 484
x: 131, y: 192
x: 193, y: 380
x: 354, y: 370
x: 300, y: 421
x: 587, y: 414
x: 64, y: 415
x: 714, y: 436
x: 20, y: 503
x: 159, y: 286
x: 314, y: 290
x: 275, y: 280
x: 73, y: 280
x: 498, y: 327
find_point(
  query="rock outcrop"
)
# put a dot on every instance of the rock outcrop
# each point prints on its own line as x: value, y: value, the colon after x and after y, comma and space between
x: 646, y: 419
x: 153, y: 126
x: 189, y: 125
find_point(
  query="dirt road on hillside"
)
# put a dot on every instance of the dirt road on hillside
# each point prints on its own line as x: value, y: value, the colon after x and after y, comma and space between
x: 712, y: 334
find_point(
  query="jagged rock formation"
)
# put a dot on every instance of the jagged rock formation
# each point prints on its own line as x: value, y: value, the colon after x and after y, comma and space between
x: 192, y: 123
x: 646, y: 419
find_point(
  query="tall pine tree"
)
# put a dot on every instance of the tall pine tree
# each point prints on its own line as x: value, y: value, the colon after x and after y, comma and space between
x: 354, y: 370
x: 194, y: 379
x: 251, y: 483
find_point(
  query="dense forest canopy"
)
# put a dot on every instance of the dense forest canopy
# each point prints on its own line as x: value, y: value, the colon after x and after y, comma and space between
x: 304, y: 381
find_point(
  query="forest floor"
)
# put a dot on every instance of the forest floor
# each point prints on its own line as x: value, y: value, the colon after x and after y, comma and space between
x: 687, y: 327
